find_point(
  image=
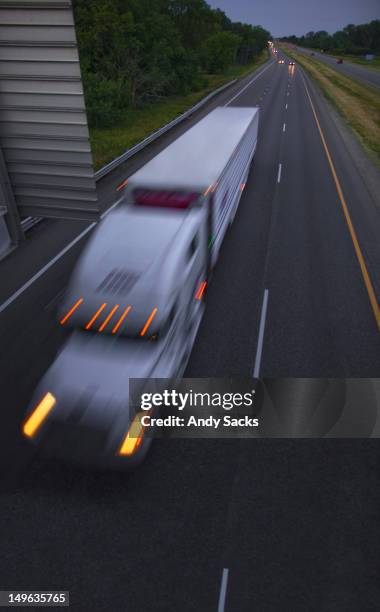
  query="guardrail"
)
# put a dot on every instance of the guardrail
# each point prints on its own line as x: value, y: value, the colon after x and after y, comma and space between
x: 30, y: 222
x: 140, y: 145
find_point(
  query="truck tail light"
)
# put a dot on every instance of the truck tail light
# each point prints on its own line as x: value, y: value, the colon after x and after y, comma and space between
x: 164, y: 199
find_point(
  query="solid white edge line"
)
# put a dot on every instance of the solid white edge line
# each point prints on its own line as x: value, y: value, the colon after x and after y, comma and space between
x: 67, y: 248
x: 260, y: 342
x: 284, y: 127
x: 279, y: 173
x: 248, y: 84
x: 17, y: 293
x: 223, y: 590
x: 111, y: 207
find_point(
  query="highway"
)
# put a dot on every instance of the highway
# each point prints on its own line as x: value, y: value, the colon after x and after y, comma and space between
x: 227, y: 525
x: 357, y: 71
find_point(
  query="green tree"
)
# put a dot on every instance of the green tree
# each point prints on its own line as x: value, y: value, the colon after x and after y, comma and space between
x: 136, y: 51
x: 358, y: 39
x: 221, y: 49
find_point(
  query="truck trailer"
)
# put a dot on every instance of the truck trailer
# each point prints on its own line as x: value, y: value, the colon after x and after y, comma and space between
x: 136, y: 297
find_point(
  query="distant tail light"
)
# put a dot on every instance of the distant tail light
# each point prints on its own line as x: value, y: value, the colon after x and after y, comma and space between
x: 164, y: 199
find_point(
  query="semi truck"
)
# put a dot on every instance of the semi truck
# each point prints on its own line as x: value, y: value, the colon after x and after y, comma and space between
x: 136, y: 296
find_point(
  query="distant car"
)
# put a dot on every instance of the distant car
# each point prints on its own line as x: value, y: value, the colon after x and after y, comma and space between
x: 339, y: 60
x: 281, y: 61
x: 291, y: 63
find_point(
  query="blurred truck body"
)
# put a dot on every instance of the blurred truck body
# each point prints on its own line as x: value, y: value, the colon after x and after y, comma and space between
x: 135, y: 300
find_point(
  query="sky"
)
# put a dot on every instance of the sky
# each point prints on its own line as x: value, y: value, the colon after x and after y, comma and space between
x: 286, y: 17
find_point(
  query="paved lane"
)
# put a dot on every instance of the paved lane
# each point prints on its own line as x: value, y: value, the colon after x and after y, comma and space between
x: 158, y: 539
x: 301, y: 530
x: 291, y: 238
x: 320, y: 321
x: 227, y: 339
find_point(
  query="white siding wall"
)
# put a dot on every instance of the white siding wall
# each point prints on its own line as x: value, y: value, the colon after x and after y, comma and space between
x: 43, y: 125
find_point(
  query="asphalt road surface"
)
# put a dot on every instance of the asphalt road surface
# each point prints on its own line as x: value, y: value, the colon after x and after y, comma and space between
x: 272, y: 524
x: 357, y: 71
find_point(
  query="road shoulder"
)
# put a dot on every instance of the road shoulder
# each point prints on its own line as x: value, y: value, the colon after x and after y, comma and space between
x: 358, y: 175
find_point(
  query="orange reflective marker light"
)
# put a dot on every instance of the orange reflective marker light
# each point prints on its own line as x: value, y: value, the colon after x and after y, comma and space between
x: 98, y: 312
x: 208, y: 189
x: 76, y: 305
x: 38, y: 415
x: 126, y: 311
x: 122, y: 185
x: 242, y: 187
x: 108, y: 318
x: 201, y: 290
x: 144, y: 329
x: 134, y: 437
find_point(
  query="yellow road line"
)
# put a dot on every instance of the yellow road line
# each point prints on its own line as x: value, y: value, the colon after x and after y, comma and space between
x: 351, y: 229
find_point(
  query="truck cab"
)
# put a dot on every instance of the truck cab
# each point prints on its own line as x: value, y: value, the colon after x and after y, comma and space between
x: 138, y: 290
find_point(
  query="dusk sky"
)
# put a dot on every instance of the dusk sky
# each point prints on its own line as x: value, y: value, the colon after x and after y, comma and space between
x: 285, y: 17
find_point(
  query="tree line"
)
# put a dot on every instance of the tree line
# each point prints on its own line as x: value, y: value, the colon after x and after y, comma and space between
x: 353, y: 39
x: 134, y: 52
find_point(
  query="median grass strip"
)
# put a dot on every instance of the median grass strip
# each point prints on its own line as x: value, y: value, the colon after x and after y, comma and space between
x: 108, y: 143
x: 357, y: 103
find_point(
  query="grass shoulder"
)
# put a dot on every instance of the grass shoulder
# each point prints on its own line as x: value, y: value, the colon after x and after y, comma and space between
x: 357, y: 103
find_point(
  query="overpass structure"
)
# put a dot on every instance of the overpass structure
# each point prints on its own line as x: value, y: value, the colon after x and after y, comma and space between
x: 46, y: 167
